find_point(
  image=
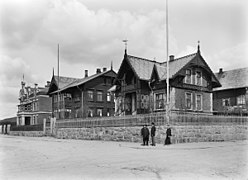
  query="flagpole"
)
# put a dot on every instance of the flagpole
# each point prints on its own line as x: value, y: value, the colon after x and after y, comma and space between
x: 167, y: 66
x: 58, y: 82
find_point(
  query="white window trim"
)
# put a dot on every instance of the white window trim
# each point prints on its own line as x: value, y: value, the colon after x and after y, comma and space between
x: 241, y: 98
x: 228, y: 101
x: 108, y: 96
x: 196, y: 102
x: 196, y: 77
x: 191, y: 77
x: 155, y: 100
x: 191, y: 108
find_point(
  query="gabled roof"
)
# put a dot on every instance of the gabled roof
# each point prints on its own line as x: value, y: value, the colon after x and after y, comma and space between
x: 144, y: 67
x: 82, y: 81
x: 174, y: 66
x: 64, y: 81
x: 236, y: 78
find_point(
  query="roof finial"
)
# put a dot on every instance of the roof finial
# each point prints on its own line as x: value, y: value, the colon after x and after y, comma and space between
x: 53, y: 71
x: 111, y: 65
x: 198, y: 47
x: 125, y: 42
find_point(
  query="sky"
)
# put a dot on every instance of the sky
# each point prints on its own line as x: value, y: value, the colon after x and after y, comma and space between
x: 90, y: 35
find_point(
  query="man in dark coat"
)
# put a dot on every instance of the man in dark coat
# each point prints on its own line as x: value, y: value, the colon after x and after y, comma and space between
x: 142, y: 134
x: 168, y: 135
x: 145, y: 134
x: 153, y: 131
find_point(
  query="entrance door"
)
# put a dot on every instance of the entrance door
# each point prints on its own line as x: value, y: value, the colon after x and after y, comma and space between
x: 27, y: 120
x: 130, y: 104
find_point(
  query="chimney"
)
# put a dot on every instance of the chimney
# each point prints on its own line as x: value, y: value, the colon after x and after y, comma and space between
x: 171, y: 57
x: 220, y: 70
x: 35, y: 88
x: 85, y: 73
x: 98, y: 70
x: 104, y: 69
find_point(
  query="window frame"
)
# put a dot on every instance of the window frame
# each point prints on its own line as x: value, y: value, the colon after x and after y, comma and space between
x: 108, y: 97
x: 158, y: 100
x: 191, y: 100
x: 241, y: 99
x: 188, y: 77
x: 196, y: 78
x: 196, y: 102
x: 101, y: 112
x: 224, y: 100
x: 97, y: 96
x: 90, y: 95
x: 91, y: 112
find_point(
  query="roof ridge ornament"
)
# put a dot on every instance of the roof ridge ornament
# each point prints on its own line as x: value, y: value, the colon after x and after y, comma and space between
x: 198, y: 47
x: 125, y: 42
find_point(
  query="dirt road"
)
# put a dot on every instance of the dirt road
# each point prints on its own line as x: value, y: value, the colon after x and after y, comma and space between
x: 49, y: 158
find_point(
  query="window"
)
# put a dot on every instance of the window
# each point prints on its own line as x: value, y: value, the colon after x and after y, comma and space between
x: 198, y: 78
x: 105, y: 81
x: 188, y: 100
x: 226, y: 102
x: 76, y: 98
x: 99, y: 95
x: 188, y: 76
x: 108, y: 112
x: 241, y: 100
x: 99, y: 112
x: 160, y: 101
x: 67, y: 96
x: 198, y: 102
x: 108, y: 97
x: 90, y: 113
x: 90, y: 95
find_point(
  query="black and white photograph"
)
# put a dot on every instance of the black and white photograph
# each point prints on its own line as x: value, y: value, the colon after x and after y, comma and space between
x: 123, y: 90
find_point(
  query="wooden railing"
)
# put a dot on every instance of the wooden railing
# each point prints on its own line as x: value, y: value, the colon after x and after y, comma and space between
x: 157, y: 118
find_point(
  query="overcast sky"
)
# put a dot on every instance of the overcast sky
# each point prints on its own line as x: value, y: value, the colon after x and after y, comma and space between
x: 90, y: 34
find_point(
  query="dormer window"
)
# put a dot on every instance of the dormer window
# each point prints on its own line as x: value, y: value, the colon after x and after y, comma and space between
x: 188, y: 76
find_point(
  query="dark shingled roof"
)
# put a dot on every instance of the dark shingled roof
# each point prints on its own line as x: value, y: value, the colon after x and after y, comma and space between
x: 77, y: 82
x: 11, y: 120
x: 233, y: 79
x: 143, y: 67
x: 65, y: 81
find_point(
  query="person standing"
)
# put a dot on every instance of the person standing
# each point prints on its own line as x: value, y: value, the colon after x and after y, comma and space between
x: 168, y: 135
x: 145, y: 134
x: 142, y: 134
x: 153, y: 131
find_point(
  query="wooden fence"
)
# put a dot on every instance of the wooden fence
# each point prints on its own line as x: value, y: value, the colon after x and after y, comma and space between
x: 158, y: 118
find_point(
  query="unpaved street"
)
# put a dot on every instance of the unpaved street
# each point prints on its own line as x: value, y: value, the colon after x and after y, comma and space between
x: 49, y: 158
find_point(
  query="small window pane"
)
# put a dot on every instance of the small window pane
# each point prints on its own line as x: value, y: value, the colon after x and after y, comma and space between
x: 99, y: 95
x: 108, y: 97
x: 188, y: 100
x: 90, y: 95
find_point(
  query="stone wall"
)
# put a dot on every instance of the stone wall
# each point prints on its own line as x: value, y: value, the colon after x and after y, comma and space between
x: 27, y: 133
x: 181, y: 133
